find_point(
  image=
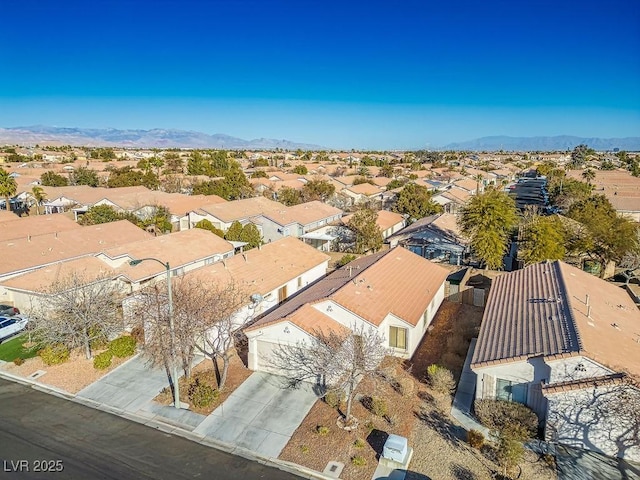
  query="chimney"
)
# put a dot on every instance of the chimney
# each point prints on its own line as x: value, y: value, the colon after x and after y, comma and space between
x: 587, y: 300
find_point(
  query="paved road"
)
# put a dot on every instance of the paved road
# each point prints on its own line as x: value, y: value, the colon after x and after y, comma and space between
x: 95, y: 445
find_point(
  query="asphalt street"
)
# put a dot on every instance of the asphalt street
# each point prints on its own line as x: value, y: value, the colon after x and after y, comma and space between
x: 46, y: 437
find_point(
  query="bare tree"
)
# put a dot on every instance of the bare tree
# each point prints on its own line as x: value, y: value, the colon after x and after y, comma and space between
x: 217, y: 324
x: 78, y: 310
x: 334, y: 360
x: 205, y: 318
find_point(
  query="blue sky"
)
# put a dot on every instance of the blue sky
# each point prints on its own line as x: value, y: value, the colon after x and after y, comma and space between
x: 349, y: 74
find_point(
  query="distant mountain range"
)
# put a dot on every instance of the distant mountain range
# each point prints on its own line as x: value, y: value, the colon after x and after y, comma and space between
x: 545, y: 144
x: 160, y: 138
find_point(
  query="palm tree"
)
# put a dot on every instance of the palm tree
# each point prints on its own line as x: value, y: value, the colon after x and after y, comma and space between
x: 8, y: 187
x: 588, y: 175
x: 39, y: 196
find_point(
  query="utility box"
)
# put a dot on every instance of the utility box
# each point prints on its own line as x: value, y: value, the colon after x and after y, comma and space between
x: 396, y: 448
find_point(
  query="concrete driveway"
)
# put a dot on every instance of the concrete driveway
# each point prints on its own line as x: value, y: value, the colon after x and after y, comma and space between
x: 259, y: 415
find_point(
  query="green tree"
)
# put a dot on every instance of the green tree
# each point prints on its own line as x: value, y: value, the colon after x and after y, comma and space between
x: 543, y: 238
x: 488, y: 220
x: 300, y: 169
x: 251, y: 235
x: 259, y: 174
x: 207, y: 225
x: 52, y: 179
x: 386, y: 171
x: 233, y: 186
x: 396, y: 183
x: 589, y: 175
x: 579, y: 155
x: 368, y: 233
x: 564, y: 192
x: 100, y: 214
x: 84, y: 176
x: 608, y: 236
x: 8, y: 188
x: 289, y: 196
x: 175, y: 164
x: 415, y: 201
x: 317, y: 190
x: 234, y: 233
x: 39, y: 196
x: 128, y: 177
x: 361, y: 180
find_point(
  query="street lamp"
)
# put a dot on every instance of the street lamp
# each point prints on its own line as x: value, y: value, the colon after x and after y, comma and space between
x: 172, y: 333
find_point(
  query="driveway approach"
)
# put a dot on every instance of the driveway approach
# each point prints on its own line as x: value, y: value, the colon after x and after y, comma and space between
x: 259, y: 415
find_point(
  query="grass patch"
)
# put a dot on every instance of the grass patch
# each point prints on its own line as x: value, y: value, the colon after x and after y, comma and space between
x: 12, y: 348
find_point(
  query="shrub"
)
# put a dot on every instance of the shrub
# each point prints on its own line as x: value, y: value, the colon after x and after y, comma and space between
x: 359, y: 443
x: 440, y: 379
x: 369, y: 426
x: 345, y: 259
x: 201, y: 394
x: 18, y: 361
x: 322, y: 430
x: 358, y: 461
x: 123, y: 346
x: 514, y: 419
x: 98, y: 339
x: 404, y: 386
x: 457, y: 344
x: 378, y: 406
x: 332, y: 398
x: 304, y: 449
x: 475, y: 438
x: 54, y: 354
x: 510, y: 451
x: 102, y: 360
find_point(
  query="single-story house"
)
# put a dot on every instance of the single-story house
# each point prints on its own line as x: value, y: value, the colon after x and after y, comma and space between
x: 436, y: 238
x: 564, y: 343
x: 395, y: 292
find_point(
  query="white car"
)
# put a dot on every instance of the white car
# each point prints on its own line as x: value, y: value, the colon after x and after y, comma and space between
x: 9, y: 326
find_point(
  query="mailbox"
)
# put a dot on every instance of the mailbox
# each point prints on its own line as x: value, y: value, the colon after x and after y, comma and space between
x: 395, y: 448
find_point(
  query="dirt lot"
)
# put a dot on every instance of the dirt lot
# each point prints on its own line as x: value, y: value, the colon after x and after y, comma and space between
x: 423, y: 416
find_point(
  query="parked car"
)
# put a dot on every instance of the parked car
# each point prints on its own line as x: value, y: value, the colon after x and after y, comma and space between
x: 10, y: 326
x: 8, y: 311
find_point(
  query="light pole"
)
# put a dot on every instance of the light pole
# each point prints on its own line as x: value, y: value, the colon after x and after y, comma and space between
x: 172, y: 333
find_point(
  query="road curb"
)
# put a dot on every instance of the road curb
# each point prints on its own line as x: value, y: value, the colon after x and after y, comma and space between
x: 153, y: 421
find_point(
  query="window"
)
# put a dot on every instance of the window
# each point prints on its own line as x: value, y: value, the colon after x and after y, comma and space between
x: 511, y: 391
x: 282, y: 294
x: 299, y: 282
x: 398, y: 337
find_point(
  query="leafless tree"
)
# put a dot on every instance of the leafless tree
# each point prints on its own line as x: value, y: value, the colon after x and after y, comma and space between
x: 205, y: 318
x: 78, y: 310
x: 218, y: 322
x: 334, y: 360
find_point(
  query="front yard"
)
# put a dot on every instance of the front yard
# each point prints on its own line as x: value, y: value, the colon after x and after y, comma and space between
x: 413, y: 410
x: 14, y: 348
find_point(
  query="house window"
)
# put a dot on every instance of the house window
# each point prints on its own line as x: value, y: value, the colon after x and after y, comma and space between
x: 398, y: 337
x: 511, y: 391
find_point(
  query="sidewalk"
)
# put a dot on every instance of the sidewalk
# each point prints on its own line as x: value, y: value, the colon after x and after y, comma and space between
x: 465, y: 394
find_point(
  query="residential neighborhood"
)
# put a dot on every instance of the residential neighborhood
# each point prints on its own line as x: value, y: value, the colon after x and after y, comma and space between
x: 312, y: 308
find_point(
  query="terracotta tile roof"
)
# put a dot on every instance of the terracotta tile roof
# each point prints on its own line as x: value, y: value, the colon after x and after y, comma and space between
x: 179, y: 248
x: 242, y: 209
x: 35, y: 225
x: 319, y: 290
x: 444, y: 224
x: 542, y: 310
x: 387, y: 219
x: 466, y: 184
x: 560, y: 387
x: 365, y: 189
x: 86, y: 195
x: 395, y: 281
x: 400, y: 282
x: 265, y: 269
x: 22, y: 254
x: 313, y: 321
x: 40, y: 280
x: 304, y: 213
